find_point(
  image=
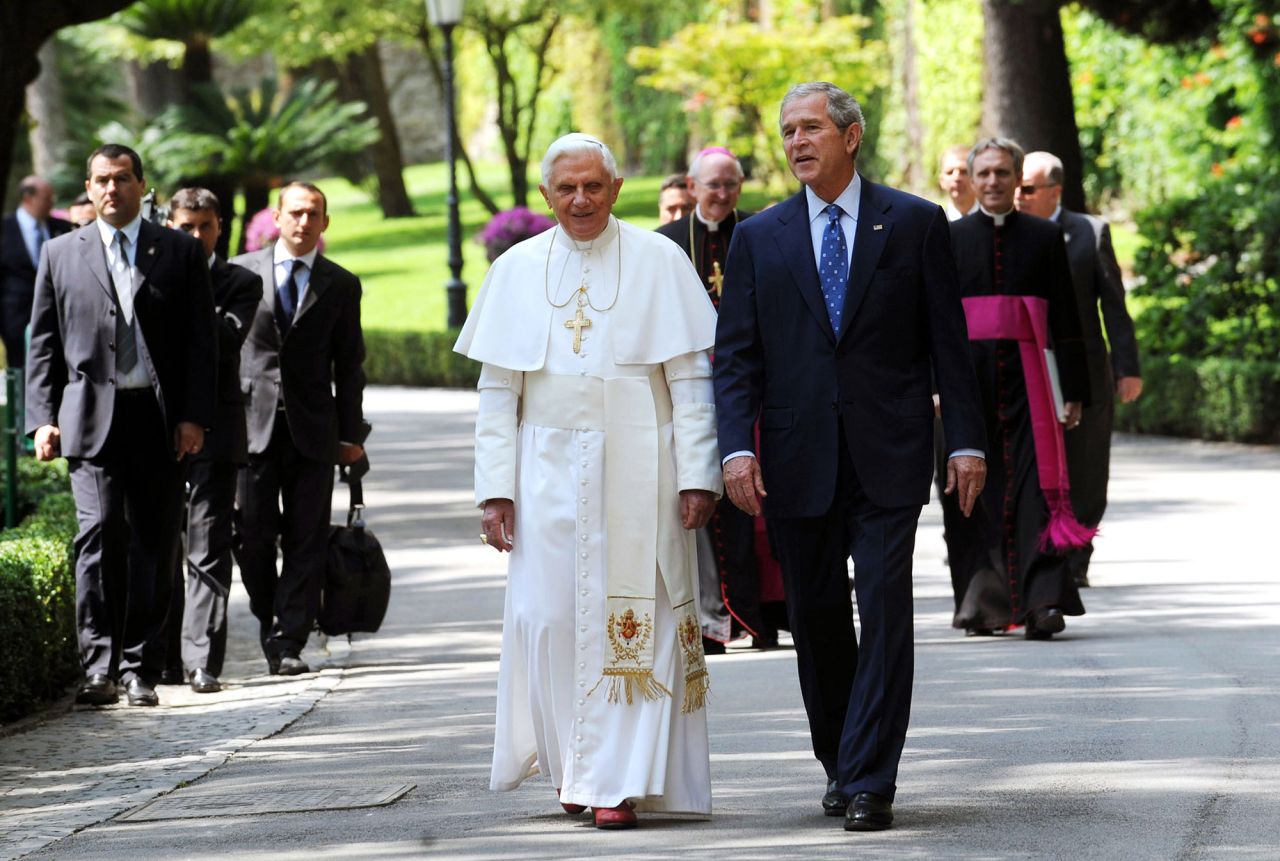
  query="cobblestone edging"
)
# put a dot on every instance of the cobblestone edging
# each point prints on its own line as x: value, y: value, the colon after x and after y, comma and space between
x: 76, y: 770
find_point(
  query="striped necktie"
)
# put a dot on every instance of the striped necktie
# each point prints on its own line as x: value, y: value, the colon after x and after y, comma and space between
x: 122, y: 276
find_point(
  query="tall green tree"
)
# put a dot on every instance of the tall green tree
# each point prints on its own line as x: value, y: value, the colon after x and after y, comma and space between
x: 194, y: 23
x: 24, y: 27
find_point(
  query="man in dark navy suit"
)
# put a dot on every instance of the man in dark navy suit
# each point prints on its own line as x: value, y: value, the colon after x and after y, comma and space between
x: 22, y: 235
x: 840, y: 308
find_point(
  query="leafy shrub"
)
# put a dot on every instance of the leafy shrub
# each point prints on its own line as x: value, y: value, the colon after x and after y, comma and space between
x: 39, y: 655
x: 1225, y: 399
x: 394, y: 358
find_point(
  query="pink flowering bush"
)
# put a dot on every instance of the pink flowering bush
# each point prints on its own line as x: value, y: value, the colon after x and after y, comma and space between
x: 509, y: 227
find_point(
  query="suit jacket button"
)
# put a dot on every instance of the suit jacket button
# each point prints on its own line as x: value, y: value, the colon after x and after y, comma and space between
x: 111, y: 344
x: 112, y: 312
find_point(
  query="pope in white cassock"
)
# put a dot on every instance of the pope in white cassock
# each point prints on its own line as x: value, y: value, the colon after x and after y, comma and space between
x: 595, y: 458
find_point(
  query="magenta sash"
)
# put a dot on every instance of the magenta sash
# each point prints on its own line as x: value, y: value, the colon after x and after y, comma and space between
x: 1025, y: 319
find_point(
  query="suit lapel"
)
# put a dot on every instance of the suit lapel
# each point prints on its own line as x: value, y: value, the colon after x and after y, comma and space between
x: 796, y: 244
x: 316, y: 285
x: 147, y: 254
x: 94, y: 255
x: 870, y: 237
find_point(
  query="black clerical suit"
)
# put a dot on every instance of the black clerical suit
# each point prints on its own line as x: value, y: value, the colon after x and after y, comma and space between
x: 1095, y: 274
x: 305, y: 383
x: 119, y: 444
x: 846, y: 431
x: 18, y: 284
x: 197, y: 623
x: 728, y: 569
x: 999, y: 573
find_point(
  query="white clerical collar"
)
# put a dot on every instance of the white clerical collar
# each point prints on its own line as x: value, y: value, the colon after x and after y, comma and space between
x: 603, y: 238
x: 848, y: 200
x: 130, y: 230
x: 712, y: 226
x: 281, y: 254
x: 997, y: 217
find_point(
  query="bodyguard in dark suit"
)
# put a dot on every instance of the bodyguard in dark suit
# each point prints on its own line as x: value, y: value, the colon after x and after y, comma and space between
x: 196, y: 638
x: 838, y: 305
x: 22, y: 235
x: 121, y: 382
x: 301, y: 367
x: 1095, y: 274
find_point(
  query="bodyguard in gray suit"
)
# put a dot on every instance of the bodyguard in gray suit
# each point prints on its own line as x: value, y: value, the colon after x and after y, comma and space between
x: 121, y: 382
x: 302, y: 369
x: 1095, y: 274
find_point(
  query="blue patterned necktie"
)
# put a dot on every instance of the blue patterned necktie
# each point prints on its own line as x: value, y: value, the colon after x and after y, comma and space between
x: 833, y: 267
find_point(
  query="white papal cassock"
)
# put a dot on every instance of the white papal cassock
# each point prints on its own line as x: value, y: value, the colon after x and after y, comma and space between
x: 541, y: 440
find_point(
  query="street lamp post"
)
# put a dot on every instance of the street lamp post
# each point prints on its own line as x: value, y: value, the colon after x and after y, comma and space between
x: 446, y: 14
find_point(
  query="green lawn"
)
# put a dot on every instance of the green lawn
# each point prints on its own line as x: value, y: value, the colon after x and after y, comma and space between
x: 403, y: 262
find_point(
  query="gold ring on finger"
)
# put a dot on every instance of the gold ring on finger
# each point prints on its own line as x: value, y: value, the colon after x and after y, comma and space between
x: 484, y: 538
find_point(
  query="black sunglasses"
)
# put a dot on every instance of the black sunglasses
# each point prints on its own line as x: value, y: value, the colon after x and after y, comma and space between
x: 1028, y: 190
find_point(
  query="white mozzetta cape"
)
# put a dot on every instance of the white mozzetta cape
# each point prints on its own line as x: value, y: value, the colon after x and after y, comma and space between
x: 511, y: 320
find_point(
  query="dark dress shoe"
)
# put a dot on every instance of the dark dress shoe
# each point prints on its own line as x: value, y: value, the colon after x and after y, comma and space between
x: 712, y: 647
x: 765, y: 641
x: 173, y: 676
x: 1043, y: 624
x: 139, y: 693
x: 615, y: 818
x: 97, y: 690
x: 868, y: 812
x: 834, y: 802
x: 204, y: 682
x: 290, y: 666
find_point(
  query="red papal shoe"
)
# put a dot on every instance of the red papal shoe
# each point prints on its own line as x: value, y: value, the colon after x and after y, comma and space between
x: 615, y: 818
x: 571, y: 809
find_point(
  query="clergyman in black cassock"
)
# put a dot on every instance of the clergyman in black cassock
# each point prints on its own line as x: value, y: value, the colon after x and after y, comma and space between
x: 1000, y: 573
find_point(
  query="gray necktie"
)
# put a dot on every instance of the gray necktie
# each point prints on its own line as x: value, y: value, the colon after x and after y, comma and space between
x: 126, y: 344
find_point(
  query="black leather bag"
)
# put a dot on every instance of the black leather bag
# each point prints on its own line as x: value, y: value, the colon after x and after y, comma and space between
x: 357, y: 580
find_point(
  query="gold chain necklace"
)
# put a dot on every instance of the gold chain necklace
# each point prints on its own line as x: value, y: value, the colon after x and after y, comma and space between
x: 584, y: 299
x: 693, y: 216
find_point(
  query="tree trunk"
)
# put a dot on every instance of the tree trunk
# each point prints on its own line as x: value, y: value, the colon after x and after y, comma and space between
x: 24, y: 27
x: 47, y: 109
x: 913, y: 175
x: 433, y: 62
x: 1027, y: 85
x: 153, y: 87
x: 365, y: 70
x: 257, y: 197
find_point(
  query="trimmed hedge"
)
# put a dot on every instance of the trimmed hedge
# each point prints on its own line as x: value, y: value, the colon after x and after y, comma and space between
x: 395, y: 358
x: 39, y: 655
x: 1220, y: 399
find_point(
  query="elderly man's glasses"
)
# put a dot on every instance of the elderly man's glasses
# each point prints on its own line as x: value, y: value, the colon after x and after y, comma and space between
x: 720, y: 186
x: 1029, y: 190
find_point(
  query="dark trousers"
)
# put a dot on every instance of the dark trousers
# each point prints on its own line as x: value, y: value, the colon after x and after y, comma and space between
x: 857, y: 694
x: 283, y: 496
x: 128, y: 505
x: 1089, y: 458
x: 196, y: 630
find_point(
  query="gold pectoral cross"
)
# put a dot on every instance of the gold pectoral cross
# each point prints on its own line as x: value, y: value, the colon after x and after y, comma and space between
x: 577, y: 324
x: 716, y: 278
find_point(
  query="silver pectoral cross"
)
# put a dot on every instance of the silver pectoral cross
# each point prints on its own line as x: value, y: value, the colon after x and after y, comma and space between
x: 577, y: 324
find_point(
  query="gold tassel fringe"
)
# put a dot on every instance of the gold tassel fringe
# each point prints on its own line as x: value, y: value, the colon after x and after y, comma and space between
x: 631, y: 683
x: 696, y: 687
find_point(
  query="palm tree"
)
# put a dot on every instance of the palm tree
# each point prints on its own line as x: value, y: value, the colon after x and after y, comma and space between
x: 259, y: 138
x: 194, y: 23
